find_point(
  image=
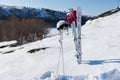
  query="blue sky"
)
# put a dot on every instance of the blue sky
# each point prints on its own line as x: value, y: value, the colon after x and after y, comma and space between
x: 89, y: 7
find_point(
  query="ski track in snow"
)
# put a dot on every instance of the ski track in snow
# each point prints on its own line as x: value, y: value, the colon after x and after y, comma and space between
x: 100, y: 47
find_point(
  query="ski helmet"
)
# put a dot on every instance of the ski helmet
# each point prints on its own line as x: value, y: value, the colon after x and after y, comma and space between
x: 62, y: 24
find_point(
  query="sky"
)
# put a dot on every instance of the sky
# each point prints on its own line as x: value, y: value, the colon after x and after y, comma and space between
x: 88, y: 7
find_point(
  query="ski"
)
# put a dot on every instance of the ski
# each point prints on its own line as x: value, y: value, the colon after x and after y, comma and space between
x: 79, y: 55
x: 74, y: 20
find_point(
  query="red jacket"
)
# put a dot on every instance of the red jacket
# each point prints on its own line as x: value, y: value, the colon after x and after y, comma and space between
x: 71, y: 17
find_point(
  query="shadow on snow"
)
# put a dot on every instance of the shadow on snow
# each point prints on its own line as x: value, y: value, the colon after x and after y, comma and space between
x: 98, y: 62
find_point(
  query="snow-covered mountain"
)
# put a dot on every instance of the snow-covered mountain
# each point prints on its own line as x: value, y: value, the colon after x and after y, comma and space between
x: 27, y: 12
x: 38, y: 60
x: 48, y: 15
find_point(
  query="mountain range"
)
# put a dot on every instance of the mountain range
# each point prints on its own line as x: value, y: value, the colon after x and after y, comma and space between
x: 48, y: 15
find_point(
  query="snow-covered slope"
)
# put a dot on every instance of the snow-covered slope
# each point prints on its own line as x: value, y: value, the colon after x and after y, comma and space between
x: 100, y: 47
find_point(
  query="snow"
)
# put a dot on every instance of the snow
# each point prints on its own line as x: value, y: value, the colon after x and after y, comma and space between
x: 8, y: 43
x: 112, y: 75
x: 100, y: 47
x: 52, y: 32
x: 46, y: 75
